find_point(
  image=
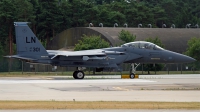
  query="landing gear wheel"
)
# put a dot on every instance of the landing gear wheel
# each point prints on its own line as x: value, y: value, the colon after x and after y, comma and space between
x: 132, y: 75
x: 74, y: 74
x: 78, y: 74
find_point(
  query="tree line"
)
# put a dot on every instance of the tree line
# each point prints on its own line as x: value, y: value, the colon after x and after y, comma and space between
x: 50, y: 17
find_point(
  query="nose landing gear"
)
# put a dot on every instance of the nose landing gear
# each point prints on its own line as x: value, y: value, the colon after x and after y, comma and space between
x: 132, y: 75
x: 133, y: 69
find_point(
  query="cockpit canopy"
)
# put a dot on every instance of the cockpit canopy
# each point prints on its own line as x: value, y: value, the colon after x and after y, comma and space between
x: 142, y: 45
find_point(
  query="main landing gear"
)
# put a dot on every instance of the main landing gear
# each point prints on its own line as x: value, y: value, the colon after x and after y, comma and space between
x: 78, y: 74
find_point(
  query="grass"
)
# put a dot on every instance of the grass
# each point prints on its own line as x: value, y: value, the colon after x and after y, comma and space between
x: 96, y: 105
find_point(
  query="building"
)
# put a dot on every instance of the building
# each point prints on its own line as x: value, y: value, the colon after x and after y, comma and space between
x: 174, y: 39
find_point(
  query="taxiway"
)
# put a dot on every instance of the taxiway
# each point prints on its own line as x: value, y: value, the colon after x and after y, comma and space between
x: 181, y: 88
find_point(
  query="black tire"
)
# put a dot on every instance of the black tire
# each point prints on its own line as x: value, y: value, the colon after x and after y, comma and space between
x: 78, y: 75
x: 74, y: 74
x: 132, y: 75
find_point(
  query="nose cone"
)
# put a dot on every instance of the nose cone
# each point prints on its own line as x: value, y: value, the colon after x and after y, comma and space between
x: 180, y: 58
x: 185, y: 59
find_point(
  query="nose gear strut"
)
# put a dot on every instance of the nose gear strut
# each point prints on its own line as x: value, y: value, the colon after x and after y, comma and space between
x: 133, y: 69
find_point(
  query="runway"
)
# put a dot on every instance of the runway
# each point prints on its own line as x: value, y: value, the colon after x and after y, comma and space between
x: 182, y: 88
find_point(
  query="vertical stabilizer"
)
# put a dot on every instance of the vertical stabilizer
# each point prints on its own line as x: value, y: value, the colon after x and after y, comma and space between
x: 27, y: 42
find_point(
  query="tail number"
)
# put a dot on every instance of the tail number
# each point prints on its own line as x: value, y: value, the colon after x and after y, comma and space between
x: 34, y: 49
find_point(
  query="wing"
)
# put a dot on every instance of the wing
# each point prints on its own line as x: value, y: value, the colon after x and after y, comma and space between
x: 86, y: 55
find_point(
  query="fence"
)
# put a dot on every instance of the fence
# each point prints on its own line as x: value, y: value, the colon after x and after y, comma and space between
x: 14, y: 65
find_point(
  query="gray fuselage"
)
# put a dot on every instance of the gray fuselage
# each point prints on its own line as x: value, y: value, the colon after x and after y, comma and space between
x: 114, y: 57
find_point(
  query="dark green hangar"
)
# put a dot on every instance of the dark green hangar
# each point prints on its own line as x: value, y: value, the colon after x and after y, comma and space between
x: 174, y: 39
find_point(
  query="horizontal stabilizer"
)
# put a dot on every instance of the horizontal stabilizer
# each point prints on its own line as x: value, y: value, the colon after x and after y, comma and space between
x: 19, y: 57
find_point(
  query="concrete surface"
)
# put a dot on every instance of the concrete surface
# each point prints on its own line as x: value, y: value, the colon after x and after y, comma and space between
x: 183, y: 89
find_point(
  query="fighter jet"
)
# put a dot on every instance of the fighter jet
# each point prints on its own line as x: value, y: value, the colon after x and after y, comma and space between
x: 30, y: 49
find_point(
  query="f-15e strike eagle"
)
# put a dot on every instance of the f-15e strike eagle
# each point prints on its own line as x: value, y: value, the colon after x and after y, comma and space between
x: 30, y: 49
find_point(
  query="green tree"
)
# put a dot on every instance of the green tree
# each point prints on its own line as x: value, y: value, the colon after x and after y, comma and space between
x: 24, y: 10
x: 1, y: 51
x: 169, y: 7
x: 107, y: 15
x: 193, y: 50
x: 8, y: 15
x: 154, y: 67
x: 188, y: 12
x: 35, y: 12
x: 3, y: 62
x: 159, y: 16
x: 49, y: 19
x: 65, y: 13
x: 91, y: 42
x: 126, y: 36
x: 83, y: 13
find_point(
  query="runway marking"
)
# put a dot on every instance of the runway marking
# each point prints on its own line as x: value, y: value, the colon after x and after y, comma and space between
x: 121, y: 89
x: 75, y: 81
